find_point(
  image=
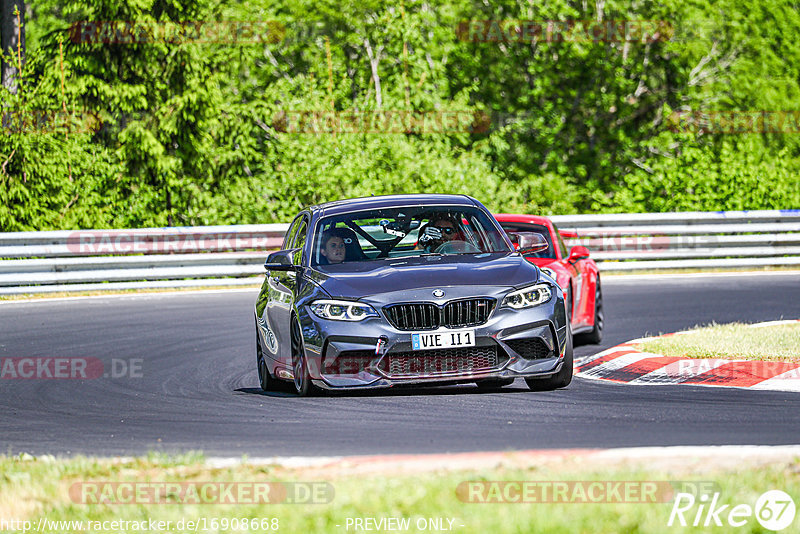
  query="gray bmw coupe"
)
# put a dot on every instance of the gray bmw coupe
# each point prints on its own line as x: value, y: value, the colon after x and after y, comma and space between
x: 408, y: 290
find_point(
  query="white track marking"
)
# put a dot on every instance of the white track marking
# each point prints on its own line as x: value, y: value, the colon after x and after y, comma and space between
x: 616, y: 363
x: 679, y: 371
x: 788, y: 381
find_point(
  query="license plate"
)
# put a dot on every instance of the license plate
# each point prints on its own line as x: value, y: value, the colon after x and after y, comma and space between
x: 443, y: 340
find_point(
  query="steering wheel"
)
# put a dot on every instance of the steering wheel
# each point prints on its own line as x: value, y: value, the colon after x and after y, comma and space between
x: 455, y: 247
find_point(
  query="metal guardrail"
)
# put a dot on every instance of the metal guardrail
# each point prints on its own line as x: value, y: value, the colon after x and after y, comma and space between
x: 93, y: 260
x: 39, y: 262
x: 688, y: 240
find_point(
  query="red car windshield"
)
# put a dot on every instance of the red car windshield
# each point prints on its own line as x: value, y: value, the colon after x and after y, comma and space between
x: 549, y: 252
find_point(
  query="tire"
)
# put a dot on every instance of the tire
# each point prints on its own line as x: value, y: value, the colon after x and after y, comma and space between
x: 265, y: 379
x: 494, y: 383
x: 302, y: 380
x: 570, y: 310
x: 568, y: 300
x: 562, y: 378
x: 596, y: 334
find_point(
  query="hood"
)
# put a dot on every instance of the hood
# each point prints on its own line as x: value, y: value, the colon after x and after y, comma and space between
x: 542, y: 262
x: 362, y: 279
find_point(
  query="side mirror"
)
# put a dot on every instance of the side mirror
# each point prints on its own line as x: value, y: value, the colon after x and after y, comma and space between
x: 578, y: 252
x: 528, y: 242
x: 282, y: 261
x: 568, y: 234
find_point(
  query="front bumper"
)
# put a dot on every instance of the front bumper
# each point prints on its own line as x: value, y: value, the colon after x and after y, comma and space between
x: 374, y: 354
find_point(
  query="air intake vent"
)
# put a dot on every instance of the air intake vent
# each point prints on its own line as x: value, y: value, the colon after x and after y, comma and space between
x: 530, y: 348
x: 464, y: 360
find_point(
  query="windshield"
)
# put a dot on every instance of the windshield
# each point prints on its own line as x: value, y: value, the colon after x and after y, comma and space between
x: 405, y: 232
x: 549, y: 252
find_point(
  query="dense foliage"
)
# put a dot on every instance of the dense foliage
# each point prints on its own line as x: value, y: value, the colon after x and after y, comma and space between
x: 178, y: 131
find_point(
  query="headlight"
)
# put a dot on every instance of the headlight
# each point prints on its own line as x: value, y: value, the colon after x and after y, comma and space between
x: 342, y: 310
x: 549, y: 272
x: 528, y: 297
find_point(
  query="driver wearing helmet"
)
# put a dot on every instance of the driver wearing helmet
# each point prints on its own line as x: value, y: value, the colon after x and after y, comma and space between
x: 441, y: 229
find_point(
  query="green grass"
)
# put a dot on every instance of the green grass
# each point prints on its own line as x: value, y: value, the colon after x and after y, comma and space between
x: 732, y: 342
x: 32, y: 488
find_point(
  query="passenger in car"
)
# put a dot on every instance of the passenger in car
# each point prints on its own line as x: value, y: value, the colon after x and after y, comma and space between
x: 339, y: 245
x: 333, y: 248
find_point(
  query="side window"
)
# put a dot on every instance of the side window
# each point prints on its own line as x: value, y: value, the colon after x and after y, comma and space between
x: 475, y: 233
x: 287, y: 240
x: 561, y: 245
x: 300, y: 241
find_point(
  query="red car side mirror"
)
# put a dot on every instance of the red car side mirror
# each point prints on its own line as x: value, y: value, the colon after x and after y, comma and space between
x: 568, y: 234
x: 578, y: 252
x: 528, y: 242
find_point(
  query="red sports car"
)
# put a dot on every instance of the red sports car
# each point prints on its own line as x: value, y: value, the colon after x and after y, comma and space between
x: 574, y: 271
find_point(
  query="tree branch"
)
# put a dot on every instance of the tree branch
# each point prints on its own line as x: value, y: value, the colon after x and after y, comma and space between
x: 374, y: 59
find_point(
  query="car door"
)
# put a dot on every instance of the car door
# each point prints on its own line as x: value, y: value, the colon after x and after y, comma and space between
x: 282, y: 288
x: 575, y: 272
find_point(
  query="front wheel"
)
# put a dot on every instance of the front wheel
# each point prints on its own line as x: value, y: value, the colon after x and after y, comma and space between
x: 302, y: 380
x: 264, y: 378
x: 568, y: 304
x: 562, y: 378
x: 267, y: 382
x: 596, y: 334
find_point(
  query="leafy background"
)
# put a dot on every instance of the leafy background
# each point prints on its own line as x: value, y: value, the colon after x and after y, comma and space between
x: 188, y: 134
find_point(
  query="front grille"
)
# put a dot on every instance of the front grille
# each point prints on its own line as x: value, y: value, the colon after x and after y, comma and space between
x: 439, y: 361
x: 429, y: 316
x: 469, y: 312
x: 529, y: 348
x: 422, y: 316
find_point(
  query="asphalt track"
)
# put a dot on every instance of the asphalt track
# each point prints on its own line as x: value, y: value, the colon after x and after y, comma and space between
x: 198, y: 388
